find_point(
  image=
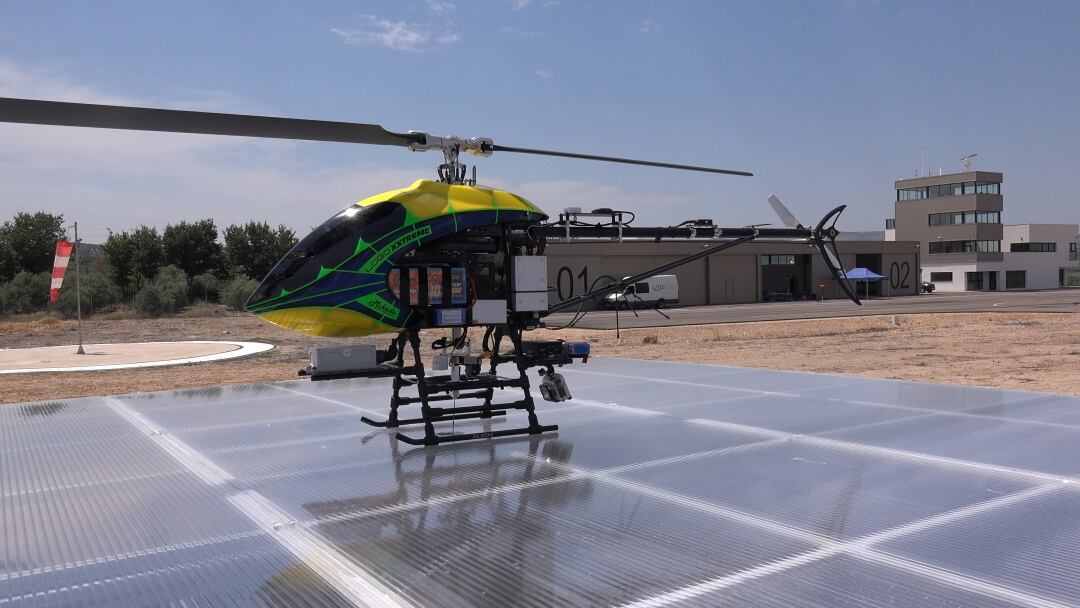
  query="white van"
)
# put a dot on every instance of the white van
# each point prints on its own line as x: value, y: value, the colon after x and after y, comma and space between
x: 658, y: 291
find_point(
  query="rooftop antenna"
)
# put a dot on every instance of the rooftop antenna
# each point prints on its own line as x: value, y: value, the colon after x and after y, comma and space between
x: 967, y: 161
x: 922, y: 162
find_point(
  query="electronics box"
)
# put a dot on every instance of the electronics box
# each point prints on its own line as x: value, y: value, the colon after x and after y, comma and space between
x: 530, y: 283
x: 489, y: 312
x: 334, y: 359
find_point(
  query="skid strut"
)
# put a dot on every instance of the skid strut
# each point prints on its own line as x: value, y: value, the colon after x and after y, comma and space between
x: 442, y: 388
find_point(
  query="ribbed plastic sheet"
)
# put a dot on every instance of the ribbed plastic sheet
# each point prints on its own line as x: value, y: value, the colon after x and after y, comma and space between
x: 667, y: 484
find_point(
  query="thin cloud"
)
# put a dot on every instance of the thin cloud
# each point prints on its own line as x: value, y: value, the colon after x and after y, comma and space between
x: 397, y: 35
x: 647, y: 26
x: 517, y: 5
x: 514, y: 31
x: 119, y: 179
x: 542, y: 73
x: 439, y: 8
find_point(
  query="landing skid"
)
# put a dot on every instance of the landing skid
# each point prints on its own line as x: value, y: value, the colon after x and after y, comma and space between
x: 443, y: 388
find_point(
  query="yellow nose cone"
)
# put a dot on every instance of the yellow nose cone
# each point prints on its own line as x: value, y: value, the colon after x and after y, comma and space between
x: 327, y: 322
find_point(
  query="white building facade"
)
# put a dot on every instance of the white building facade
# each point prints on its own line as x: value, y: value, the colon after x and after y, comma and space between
x: 956, y: 219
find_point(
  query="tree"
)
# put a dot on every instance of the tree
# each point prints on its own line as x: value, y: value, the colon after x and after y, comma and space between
x: 97, y: 289
x: 119, y: 247
x: 7, y: 259
x: 28, y: 243
x: 254, y: 248
x: 26, y: 292
x: 192, y: 247
x: 166, y: 293
x: 146, y: 254
x: 205, y: 285
x: 235, y: 293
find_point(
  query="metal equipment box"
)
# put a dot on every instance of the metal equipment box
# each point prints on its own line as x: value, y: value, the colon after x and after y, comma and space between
x: 346, y: 358
x: 489, y: 312
x: 530, y: 283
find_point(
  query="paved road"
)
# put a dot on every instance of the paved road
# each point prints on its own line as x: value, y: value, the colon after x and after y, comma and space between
x: 1065, y: 300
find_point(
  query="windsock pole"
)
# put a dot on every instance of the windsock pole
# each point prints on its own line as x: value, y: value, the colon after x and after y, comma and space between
x: 78, y: 291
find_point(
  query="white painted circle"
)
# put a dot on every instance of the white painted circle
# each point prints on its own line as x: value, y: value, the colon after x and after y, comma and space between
x: 243, y: 349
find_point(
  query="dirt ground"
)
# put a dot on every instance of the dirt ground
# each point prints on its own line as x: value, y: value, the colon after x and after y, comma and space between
x: 1031, y: 351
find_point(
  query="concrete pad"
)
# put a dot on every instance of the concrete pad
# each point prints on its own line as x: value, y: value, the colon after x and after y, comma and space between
x: 122, y: 356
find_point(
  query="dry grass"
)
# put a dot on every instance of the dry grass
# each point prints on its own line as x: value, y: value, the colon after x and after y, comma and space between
x: 1033, y: 351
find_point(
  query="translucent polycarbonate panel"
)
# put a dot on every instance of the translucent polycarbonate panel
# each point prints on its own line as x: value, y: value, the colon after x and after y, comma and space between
x: 48, y: 424
x: 577, y: 543
x: 61, y: 453
x: 837, y: 493
x: 642, y: 368
x: 773, y: 381
x: 798, y: 414
x: 946, y: 397
x: 1062, y: 409
x: 273, y: 431
x: 685, y: 484
x: 233, y: 393
x: 1030, y: 545
x: 605, y: 437
x: 841, y: 582
x: 246, y: 570
x: 180, y: 416
x: 107, y: 519
x: 410, y: 481
x: 1040, y: 447
x: 649, y: 394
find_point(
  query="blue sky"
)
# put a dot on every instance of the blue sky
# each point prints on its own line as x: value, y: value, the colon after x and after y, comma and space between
x: 827, y: 102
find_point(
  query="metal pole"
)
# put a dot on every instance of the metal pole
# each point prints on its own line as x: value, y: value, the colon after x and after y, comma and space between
x: 78, y: 291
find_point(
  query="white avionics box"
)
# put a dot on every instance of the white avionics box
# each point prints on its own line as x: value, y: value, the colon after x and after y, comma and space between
x: 530, y: 283
x: 331, y: 359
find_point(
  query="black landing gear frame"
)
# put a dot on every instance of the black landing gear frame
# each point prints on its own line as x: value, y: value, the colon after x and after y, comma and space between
x: 441, y: 388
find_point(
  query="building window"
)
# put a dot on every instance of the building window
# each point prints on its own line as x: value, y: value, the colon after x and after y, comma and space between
x: 890, y: 223
x: 964, y: 247
x: 1033, y: 247
x: 1015, y: 279
x: 964, y: 217
x: 1072, y: 251
x: 911, y: 194
x: 777, y: 260
x: 974, y: 281
x: 941, y: 277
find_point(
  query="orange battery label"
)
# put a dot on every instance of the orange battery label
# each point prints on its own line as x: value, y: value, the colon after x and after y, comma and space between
x: 414, y: 286
x: 434, y: 285
x: 393, y: 281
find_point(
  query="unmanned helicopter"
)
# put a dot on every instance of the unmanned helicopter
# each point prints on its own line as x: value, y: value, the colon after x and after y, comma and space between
x: 443, y: 253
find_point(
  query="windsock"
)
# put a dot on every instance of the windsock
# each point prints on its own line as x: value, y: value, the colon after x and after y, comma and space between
x: 63, y: 253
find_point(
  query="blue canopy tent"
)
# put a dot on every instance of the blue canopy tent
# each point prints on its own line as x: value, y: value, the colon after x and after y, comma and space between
x: 865, y: 275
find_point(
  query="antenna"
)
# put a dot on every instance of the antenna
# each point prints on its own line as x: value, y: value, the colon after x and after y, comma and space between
x: 967, y: 161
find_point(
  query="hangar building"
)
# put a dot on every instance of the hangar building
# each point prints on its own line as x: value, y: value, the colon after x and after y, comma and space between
x: 753, y: 272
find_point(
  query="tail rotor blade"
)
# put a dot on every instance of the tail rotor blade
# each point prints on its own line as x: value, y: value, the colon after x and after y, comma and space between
x: 786, y: 216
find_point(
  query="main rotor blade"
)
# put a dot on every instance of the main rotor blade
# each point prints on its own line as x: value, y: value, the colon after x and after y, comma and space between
x: 613, y: 159
x: 33, y: 111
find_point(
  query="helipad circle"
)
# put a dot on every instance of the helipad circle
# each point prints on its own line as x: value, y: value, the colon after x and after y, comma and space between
x: 100, y: 357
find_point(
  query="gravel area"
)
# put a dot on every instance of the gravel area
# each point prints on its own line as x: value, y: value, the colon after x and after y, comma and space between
x: 1030, y: 351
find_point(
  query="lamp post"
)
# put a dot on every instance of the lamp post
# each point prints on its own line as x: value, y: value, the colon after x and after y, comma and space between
x: 78, y: 290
